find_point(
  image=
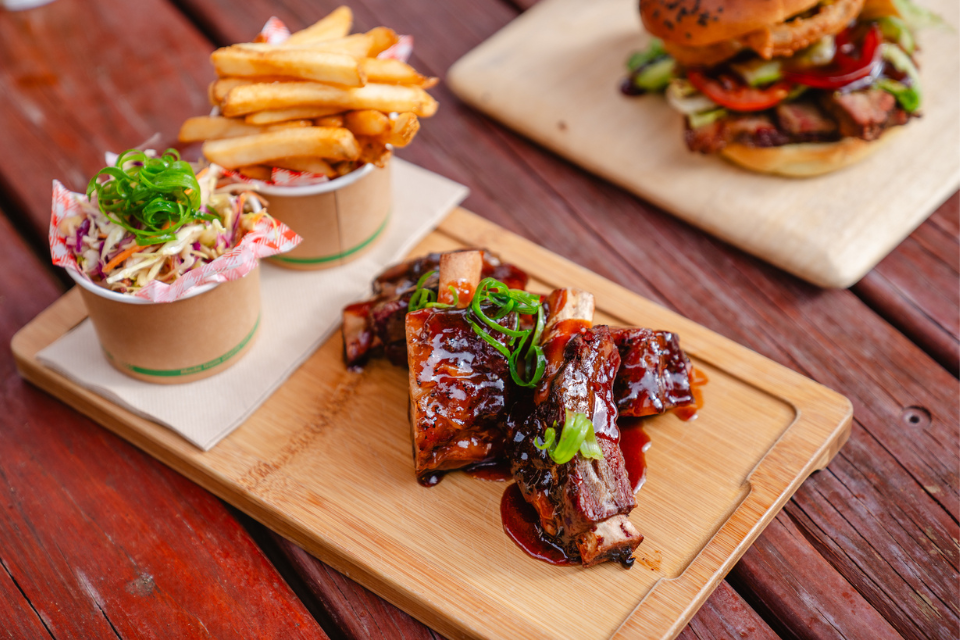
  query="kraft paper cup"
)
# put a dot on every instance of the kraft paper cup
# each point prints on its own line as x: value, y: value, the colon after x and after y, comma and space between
x: 195, y: 337
x: 339, y: 220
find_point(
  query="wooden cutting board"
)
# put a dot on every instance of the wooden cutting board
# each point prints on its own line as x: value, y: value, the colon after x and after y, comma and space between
x: 553, y: 75
x: 326, y: 462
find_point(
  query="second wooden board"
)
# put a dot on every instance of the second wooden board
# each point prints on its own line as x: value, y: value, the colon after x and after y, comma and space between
x: 326, y: 462
x: 553, y: 74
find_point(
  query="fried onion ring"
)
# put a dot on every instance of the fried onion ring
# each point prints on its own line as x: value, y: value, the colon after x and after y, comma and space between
x: 787, y: 37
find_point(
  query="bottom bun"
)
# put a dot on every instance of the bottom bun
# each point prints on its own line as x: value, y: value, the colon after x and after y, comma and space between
x: 805, y: 159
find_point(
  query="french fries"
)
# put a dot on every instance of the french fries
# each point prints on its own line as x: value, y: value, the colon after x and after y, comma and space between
x: 388, y: 71
x: 335, y: 25
x: 321, y: 66
x: 381, y: 40
x: 216, y: 128
x: 373, y: 151
x: 402, y: 130
x: 320, y: 102
x: 367, y: 122
x: 320, y: 142
x: 329, y: 121
x: 246, y: 99
x: 296, y: 113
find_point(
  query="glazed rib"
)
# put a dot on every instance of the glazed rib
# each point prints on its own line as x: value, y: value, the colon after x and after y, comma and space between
x: 582, y: 503
x: 460, y: 386
x: 376, y: 326
x: 655, y: 374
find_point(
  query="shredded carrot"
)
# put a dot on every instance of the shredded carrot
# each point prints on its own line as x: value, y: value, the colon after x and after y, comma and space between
x: 123, y: 255
x: 241, y: 201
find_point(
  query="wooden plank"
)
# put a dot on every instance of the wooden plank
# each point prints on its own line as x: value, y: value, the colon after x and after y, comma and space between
x: 358, y: 613
x: 726, y: 616
x: 67, y: 97
x: 98, y: 539
x: 553, y: 76
x: 807, y: 574
x: 914, y: 287
x: 717, y: 481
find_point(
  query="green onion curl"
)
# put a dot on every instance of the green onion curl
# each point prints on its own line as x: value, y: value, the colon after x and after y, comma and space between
x: 151, y: 198
x: 576, y: 435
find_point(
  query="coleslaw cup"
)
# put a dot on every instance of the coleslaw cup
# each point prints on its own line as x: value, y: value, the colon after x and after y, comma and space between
x: 339, y: 220
x: 203, y: 333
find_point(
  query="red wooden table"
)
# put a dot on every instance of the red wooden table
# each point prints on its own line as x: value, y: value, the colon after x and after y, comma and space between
x: 98, y: 539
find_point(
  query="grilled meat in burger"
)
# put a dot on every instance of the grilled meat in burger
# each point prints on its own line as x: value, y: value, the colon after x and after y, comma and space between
x: 792, y: 87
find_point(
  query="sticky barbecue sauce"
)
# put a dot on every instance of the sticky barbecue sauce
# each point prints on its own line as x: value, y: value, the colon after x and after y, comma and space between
x: 697, y: 380
x: 493, y: 471
x: 522, y: 525
x: 634, y: 443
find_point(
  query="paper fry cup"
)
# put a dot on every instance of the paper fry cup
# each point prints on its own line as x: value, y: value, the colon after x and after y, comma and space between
x: 195, y: 337
x: 339, y: 220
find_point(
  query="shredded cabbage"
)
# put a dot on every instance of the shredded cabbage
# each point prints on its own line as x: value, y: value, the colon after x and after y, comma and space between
x: 110, y: 255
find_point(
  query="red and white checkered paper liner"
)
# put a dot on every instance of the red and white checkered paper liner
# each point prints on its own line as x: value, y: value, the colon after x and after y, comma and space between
x: 275, y: 32
x: 269, y: 237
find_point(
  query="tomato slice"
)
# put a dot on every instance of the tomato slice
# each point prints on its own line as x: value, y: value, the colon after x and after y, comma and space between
x: 845, y: 68
x: 730, y: 92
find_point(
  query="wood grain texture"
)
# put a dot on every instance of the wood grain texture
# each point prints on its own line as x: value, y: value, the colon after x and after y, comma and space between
x: 807, y: 574
x: 915, y: 287
x: 554, y: 74
x: 99, y: 540
x: 764, y: 428
x: 361, y: 614
x: 84, y: 77
x: 725, y: 616
x: 358, y: 613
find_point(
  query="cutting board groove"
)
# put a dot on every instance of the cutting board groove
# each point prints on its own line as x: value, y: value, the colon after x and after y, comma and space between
x: 326, y: 462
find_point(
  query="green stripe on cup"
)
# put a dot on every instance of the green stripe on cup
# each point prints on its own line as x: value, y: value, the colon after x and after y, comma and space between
x: 174, y: 373
x: 338, y: 256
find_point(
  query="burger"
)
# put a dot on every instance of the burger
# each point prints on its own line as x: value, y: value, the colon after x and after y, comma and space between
x: 790, y: 87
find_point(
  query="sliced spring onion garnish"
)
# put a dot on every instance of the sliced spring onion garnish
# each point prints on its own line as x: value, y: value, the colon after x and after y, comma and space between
x: 494, y: 295
x: 576, y: 435
x: 150, y: 197
x: 492, y: 302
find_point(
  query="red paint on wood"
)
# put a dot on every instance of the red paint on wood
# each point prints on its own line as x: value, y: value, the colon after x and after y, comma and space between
x: 101, y: 539
x: 915, y: 287
x: 783, y: 567
x: 725, y: 616
x: 358, y: 613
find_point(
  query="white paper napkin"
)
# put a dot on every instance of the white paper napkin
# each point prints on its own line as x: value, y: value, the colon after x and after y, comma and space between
x: 300, y: 310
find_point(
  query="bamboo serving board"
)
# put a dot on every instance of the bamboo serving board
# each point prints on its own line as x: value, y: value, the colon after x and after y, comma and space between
x: 326, y: 462
x: 553, y: 74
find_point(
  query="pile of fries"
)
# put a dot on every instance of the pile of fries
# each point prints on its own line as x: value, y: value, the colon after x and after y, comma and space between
x: 322, y: 101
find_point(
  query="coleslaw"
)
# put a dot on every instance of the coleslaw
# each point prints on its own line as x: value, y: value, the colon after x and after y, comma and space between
x: 108, y: 249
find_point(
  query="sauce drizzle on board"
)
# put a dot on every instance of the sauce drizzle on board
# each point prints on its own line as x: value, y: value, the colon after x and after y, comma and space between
x: 520, y: 520
x: 697, y: 379
x: 634, y: 443
x: 522, y: 525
